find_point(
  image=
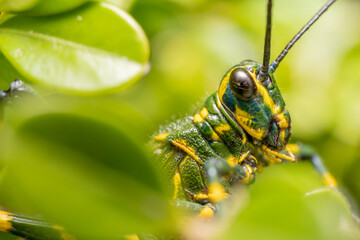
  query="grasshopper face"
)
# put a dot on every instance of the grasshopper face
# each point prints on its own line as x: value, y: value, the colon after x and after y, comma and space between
x: 258, y: 107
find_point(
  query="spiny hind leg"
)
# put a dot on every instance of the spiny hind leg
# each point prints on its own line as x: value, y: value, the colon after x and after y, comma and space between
x: 31, y: 228
x: 305, y: 152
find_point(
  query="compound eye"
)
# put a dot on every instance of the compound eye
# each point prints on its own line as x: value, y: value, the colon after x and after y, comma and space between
x: 242, y: 84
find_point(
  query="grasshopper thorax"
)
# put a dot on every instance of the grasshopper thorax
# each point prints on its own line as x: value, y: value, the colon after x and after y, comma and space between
x: 256, y: 104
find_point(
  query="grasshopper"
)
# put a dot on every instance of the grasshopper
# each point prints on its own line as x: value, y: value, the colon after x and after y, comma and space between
x: 240, y: 129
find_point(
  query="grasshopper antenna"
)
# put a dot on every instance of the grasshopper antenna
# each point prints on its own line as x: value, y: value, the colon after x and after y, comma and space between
x: 276, y: 63
x: 267, y: 46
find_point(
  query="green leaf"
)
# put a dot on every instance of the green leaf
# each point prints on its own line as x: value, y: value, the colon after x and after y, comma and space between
x: 39, y: 7
x: 95, y: 48
x: 16, y: 5
x: 82, y: 170
x: 291, y: 202
x: 123, y: 4
x: 44, y: 7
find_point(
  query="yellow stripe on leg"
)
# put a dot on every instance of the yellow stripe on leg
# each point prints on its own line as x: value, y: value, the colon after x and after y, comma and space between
x: 5, y: 224
x: 206, y: 212
x: 329, y: 180
x: 217, y: 192
x: 200, y: 196
x: 277, y: 154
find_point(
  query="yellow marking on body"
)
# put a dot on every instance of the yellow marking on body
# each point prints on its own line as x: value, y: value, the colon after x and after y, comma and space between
x: 214, y: 136
x: 200, y: 196
x: 277, y: 154
x: 248, y: 175
x: 216, y: 192
x: 282, y: 134
x: 256, y: 161
x: 224, y: 83
x: 249, y: 169
x: 204, y: 113
x: 243, y: 118
x: 206, y: 212
x: 181, y: 143
x: 264, y: 93
x: 63, y: 234
x: 281, y: 121
x: 329, y: 180
x: 132, y: 237
x: 177, y: 182
x: 5, y: 224
x: 294, y: 148
x: 197, y: 118
x: 243, y: 141
x: 232, y: 161
x: 222, y: 128
x: 161, y: 136
x: 242, y: 158
x: 218, y: 103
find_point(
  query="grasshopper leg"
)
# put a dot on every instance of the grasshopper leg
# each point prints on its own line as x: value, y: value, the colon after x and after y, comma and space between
x: 305, y: 152
x: 31, y: 228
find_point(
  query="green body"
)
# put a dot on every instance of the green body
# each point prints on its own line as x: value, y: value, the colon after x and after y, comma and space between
x: 198, y: 136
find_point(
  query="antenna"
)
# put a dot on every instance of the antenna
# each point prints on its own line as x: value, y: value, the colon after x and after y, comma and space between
x: 276, y: 63
x: 266, y: 58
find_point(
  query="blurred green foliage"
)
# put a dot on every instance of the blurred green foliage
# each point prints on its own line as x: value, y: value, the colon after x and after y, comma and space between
x: 316, y: 212
x: 78, y: 44
x: 88, y: 170
x: 96, y: 145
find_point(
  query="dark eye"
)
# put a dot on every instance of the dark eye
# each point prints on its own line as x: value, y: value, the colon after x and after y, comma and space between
x: 242, y: 84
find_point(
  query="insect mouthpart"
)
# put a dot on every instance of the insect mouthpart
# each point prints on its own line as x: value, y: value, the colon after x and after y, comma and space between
x: 279, y: 131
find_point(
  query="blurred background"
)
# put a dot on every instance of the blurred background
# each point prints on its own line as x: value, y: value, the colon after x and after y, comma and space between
x: 193, y: 44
